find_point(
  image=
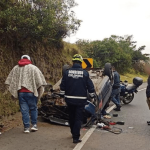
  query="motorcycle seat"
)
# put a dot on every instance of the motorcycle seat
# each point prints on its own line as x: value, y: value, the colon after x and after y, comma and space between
x: 130, y: 87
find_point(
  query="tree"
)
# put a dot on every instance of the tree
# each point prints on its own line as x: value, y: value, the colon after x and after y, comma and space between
x: 49, y: 21
x: 119, y: 51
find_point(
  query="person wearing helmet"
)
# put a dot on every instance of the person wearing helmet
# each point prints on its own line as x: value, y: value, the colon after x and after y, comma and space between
x: 27, y: 86
x: 74, y: 86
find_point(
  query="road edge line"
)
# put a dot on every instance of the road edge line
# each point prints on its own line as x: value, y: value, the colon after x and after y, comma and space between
x: 89, y: 132
x: 141, y: 90
x: 110, y: 109
x: 85, y: 138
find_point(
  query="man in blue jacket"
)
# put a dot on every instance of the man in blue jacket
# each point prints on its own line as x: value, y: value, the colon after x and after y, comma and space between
x: 116, y: 90
x: 74, y: 86
x: 147, y: 69
x: 148, y: 91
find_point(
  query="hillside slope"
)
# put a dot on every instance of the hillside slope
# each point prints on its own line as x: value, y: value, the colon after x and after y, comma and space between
x: 49, y: 60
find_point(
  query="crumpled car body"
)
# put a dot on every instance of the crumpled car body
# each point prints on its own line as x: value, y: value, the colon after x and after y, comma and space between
x: 54, y: 108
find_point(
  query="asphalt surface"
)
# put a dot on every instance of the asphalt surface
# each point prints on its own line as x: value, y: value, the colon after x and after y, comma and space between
x: 49, y: 137
x: 136, y: 132
x: 135, y: 136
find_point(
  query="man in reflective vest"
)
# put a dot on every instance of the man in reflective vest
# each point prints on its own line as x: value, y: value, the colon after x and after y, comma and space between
x: 74, y: 86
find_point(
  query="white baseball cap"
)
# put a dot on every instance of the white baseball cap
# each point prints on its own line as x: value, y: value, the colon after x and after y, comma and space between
x: 28, y: 57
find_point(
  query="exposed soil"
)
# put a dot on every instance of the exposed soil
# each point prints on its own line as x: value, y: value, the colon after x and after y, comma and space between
x: 11, y: 122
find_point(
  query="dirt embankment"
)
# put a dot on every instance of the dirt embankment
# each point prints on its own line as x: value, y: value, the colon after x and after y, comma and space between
x: 49, y: 60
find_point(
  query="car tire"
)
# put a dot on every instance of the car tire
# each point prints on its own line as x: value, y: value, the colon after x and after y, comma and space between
x: 108, y: 70
x: 64, y: 68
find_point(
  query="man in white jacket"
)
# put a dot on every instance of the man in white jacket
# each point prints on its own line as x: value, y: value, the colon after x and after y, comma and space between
x: 26, y: 82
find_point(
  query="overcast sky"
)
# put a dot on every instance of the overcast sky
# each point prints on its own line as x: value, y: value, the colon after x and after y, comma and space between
x: 102, y: 18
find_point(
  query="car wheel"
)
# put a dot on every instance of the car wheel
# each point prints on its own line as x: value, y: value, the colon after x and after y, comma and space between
x: 108, y: 70
x: 64, y: 68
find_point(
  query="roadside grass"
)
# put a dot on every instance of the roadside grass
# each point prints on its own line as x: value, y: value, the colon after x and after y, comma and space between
x: 8, y: 106
x: 70, y: 50
x: 129, y: 77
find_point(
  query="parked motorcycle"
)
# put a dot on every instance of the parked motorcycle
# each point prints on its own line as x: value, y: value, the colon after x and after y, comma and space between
x: 128, y: 90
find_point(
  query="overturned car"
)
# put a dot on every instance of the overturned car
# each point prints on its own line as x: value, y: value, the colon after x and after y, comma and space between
x: 54, y: 108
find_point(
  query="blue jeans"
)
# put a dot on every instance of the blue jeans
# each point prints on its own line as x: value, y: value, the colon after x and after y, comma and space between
x: 115, y: 95
x: 28, y: 102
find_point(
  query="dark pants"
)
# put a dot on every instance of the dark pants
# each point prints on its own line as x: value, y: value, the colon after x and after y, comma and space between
x: 75, y: 119
x: 103, y: 112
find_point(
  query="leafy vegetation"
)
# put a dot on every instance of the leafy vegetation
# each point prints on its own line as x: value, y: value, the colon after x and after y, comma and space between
x: 129, y: 77
x: 36, y: 30
x: 120, y: 51
x: 47, y: 21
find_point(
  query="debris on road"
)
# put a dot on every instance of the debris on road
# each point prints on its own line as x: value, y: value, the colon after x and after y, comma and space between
x: 107, y: 116
x: 112, y: 123
x: 101, y: 125
x: 84, y: 129
x: 114, y: 130
x: 148, y: 122
x: 120, y: 122
x: 115, y: 115
x: 131, y: 127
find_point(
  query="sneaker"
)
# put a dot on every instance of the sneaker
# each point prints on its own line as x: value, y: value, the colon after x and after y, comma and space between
x: 34, y: 128
x: 26, y: 130
x: 108, y: 114
x: 107, y: 117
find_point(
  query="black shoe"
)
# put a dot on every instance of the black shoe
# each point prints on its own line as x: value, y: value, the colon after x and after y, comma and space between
x: 77, y: 141
x: 148, y: 122
x: 117, y: 109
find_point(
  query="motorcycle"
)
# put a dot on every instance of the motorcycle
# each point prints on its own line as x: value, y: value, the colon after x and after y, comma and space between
x: 128, y: 90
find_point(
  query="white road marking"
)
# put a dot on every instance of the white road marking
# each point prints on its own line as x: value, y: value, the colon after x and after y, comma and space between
x: 91, y: 130
x: 85, y: 138
x: 110, y: 109
x: 89, y: 133
x: 142, y: 90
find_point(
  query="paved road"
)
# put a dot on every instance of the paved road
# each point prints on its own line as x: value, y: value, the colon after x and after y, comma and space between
x: 136, y: 132
x: 144, y: 85
x: 49, y: 137
x: 54, y: 137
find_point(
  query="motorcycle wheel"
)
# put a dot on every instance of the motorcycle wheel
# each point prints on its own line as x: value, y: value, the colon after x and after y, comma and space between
x: 128, y: 98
